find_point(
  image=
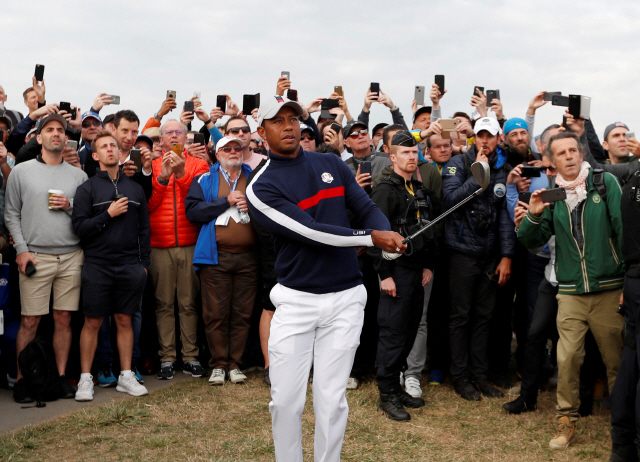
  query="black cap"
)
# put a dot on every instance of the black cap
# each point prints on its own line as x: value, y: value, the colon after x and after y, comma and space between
x: 378, y: 127
x: 108, y: 119
x: 422, y: 110
x: 403, y: 138
x: 50, y: 118
x: 352, y: 123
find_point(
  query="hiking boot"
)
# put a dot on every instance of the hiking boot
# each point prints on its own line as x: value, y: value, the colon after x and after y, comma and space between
x: 488, y: 390
x: 135, y: 371
x: 166, y: 371
x: 391, y: 405
x: 67, y: 390
x: 624, y: 453
x: 217, y: 377
x: 352, y: 383
x: 194, y: 369
x: 85, y: 390
x: 236, y: 376
x: 106, y: 378
x: 409, y: 401
x: 566, y: 434
x: 520, y: 404
x: 127, y: 383
x: 436, y: 377
x: 21, y: 393
x: 265, y: 377
x: 467, y: 391
x: 412, y: 386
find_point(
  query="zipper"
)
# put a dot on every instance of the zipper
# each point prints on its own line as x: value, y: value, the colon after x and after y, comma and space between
x: 613, y: 251
x: 584, y: 244
x: 582, y: 262
x: 175, y: 211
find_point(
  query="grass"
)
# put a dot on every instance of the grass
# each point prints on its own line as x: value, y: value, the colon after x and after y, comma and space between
x: 192, y: 421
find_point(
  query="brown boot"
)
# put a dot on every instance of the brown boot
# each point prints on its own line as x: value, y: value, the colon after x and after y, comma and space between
x: 566, y: 434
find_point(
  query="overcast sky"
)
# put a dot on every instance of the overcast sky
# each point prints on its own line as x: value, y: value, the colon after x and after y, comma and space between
x: 139, y: 50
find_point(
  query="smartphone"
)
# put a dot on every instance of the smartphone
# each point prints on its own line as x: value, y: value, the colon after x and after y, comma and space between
x: 114, y: 99
x: 171, y: 94
x: 197, y: 95
x: 30, y: 270
x: 365, y: 167
x: 188, y: 106
x: 221, y: 102
x: 524, y: 196
x: 329, y: 103
x: 480, y: 89
x: 375, y: 88
x: 65, y: 107
x: 198, y: 138
x: 338, y: 89
x: 553, y: 195
x: 249, y: 103
x: 336, y: 127
x: 580, y: 106
x: 419, y: 95
x: 286, y: 74
x: 439, y: 81
x: 630, y: 135
x: 548, y: 96
x: 73, y: 144
x: 292, y: 95
x: 530, y: 171
x: 136, y: 157
x: 491, y: 95
x: 448, y: 126
x: 564, y: 121
x: 39, y: 73
x: 559, y: 100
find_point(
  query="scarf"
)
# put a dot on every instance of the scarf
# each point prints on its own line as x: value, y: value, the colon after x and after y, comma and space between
x: 576, y: 189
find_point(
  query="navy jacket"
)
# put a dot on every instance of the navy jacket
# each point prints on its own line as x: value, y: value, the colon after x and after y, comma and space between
x: 125, y: 239
x: 462, y: 227
x: 304, y: 202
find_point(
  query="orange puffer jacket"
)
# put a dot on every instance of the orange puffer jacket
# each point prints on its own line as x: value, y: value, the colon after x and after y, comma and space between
x: 169, y: 224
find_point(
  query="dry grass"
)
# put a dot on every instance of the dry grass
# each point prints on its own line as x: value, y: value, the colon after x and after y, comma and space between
x: 192, y: 421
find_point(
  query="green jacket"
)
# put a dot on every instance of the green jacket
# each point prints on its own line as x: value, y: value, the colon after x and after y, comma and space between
x: 599, y: 266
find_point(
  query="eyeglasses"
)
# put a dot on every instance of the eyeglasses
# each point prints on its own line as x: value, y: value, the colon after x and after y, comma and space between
x: 171, y: 132
x: 228, y: 149
x: 189, y: 141
x: 550, y: 169
x: 357, y: 133
x: 237, y: 130
x: 307, y: 137
x: 257, y: 150
x: 155, y: 139
x: 89, y: 123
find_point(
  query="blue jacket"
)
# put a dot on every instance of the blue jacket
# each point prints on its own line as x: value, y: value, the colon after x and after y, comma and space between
x: 202, y: 207
x: 461, y: 227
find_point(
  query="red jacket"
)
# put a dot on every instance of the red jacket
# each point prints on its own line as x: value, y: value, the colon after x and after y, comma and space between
x: 169, y: 224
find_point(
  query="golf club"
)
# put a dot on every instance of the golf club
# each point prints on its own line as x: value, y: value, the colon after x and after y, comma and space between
x: 480, y: 172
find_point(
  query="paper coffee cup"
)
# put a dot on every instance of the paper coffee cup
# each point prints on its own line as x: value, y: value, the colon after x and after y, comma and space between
x: 51, y: 193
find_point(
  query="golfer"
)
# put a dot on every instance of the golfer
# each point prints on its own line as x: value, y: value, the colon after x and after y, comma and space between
x: 304, y: 198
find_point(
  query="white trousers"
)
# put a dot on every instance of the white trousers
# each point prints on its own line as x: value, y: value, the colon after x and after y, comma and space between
x: 323, y: 330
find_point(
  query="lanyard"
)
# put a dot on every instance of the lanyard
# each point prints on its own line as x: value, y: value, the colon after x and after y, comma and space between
x: 227, y: 177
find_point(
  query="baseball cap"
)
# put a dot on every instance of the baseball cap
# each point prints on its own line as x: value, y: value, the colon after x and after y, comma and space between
x: 612, y: 126
x: 514, y: 123
x: 421, y: 110
x: 152, y: 132
x: 108, y: 119
x: 224, y: 141
x: 487, y: 123
x: 145, y: 138
x: 378, y: 127
x: 403, y: 138
x: 352, y: 123
x: 270, y: 107
x: 6, y: 120
x: 304, y: 127
x: 88, y: 114
x: 51, y: 118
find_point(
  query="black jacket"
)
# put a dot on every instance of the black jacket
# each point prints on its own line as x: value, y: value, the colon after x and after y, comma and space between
x: 121, y: 240
x: 482, y: 227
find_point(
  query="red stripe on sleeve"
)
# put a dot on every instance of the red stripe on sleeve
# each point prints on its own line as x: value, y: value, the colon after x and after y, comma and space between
x: 324, y: 194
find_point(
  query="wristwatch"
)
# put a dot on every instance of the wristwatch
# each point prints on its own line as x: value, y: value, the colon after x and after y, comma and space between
x: 156, y: 116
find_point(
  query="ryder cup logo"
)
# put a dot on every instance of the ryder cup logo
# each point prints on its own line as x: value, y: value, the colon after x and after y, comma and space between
x: 326, y: 177
x: 500, y: 190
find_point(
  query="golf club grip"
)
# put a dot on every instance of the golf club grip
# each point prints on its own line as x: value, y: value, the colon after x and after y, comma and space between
x: 390, y: 256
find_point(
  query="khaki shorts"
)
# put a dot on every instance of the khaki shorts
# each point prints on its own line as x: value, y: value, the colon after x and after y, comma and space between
x: 60, y: 272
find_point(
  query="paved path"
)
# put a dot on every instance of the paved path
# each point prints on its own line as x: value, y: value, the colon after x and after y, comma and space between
x: 14, y: 417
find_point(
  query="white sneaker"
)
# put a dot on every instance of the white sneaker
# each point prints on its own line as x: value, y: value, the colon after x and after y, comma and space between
x: 85, y: 390
x: 129, y: 384
x: 217, y: 377
x: 412, y: 386
x: 236, y: 376
x: 352, y: 383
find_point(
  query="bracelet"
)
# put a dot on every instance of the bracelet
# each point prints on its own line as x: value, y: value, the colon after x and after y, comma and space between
x: 208, y: 121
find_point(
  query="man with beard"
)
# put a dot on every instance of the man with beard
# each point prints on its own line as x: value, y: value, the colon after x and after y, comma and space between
x: 615, y: 143
x: 91, y: 125
x: 225, y: 257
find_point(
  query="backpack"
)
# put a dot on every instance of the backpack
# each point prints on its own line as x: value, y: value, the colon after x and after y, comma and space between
x: 38, y: 367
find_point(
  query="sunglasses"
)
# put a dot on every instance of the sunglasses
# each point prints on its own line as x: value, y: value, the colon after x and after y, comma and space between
x: 257, y: 150
x: 549, y: 169
x: 237, y: 130
x: 307, y: 137
x: 228, y: 149
x: 357, y: 133
x: 91, y: 123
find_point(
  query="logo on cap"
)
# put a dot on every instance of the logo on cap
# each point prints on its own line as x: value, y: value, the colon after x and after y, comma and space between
x: 326, y: 177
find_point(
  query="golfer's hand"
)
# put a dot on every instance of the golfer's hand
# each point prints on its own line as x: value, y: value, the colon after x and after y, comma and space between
x: 388, y: 286
x: 389, y: 241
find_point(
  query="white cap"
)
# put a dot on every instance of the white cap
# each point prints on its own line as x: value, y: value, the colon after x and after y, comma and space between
x: 487, y: 123
x: 270, y: 107
x: 224, y: 141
